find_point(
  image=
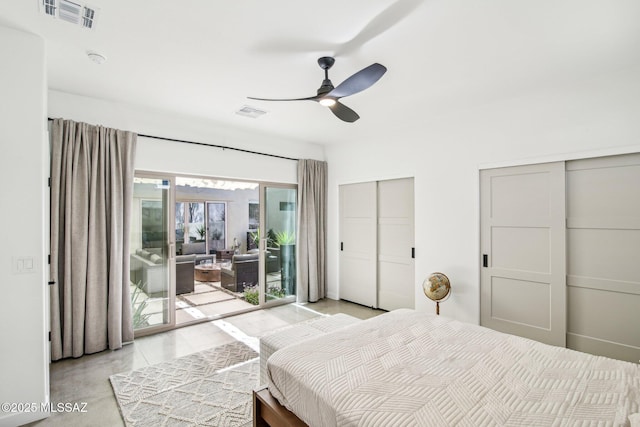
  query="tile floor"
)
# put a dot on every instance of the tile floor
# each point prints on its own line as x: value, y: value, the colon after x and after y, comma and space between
x: 208, y: 300
x: 86, y: 379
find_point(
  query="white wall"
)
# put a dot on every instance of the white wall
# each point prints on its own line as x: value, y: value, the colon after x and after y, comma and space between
x: 167, y: 156
x: 24, y: 356
x: 569, y: 120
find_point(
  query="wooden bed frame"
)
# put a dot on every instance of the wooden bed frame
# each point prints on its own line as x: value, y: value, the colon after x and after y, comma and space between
x: 268, y: 412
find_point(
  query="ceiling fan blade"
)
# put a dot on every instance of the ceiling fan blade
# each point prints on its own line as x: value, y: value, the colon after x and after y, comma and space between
x: 382, y: 22
x: 359, y: 81
x: 379, y: 24
x: 344, y: 113
x: 310, y: 98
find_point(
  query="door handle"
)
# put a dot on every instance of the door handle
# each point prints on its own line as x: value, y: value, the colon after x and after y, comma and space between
x: 485, y: 260
x: 342, y: 246
x: 413, y: 253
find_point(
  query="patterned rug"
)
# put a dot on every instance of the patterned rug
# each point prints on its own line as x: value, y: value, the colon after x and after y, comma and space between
x: 209, y: 388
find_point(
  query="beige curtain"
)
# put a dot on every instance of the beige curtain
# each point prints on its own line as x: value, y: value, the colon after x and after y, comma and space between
x: 92, y: 171
x: 312, y: 200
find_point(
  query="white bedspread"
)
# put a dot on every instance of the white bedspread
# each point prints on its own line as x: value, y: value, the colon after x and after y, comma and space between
x: 407, y: 368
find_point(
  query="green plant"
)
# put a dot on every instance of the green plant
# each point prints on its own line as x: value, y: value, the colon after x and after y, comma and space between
x: 140, y: 318
x: 285, y: 238
x: 276, y: 291
x: 252, y: 295
x: 255, y: 237
x: 202, y: 231
x: 271, y: 238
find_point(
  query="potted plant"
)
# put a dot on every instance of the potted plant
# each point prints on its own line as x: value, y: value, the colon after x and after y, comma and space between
x: 202, y: 232
x: 255, y: 237
x: 271, y: 238
x: 286, y: 241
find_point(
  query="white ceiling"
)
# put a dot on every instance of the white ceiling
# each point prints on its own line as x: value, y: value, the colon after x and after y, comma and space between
x: 202, y: 58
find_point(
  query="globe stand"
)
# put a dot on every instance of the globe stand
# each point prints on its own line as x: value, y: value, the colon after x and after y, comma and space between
x: 439, y: 301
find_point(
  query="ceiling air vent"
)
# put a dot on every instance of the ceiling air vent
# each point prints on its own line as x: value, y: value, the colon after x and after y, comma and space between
x: 75, y: 13
x: 49, y: 7
x: 248, y: 111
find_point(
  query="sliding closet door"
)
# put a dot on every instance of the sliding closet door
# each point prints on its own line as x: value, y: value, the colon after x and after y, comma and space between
x: 358, y: 243
x: 396, y: 272
x: 522, y: 213
x: 603, y: 263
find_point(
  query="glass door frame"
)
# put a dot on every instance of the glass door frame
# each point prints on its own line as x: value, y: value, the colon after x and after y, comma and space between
x: 170, y: 311
x: 262, y: 272
x: 171, y: 247
x: 207, y: 220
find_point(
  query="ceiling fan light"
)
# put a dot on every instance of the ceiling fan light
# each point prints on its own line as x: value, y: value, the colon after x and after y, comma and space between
x: 327, y: 102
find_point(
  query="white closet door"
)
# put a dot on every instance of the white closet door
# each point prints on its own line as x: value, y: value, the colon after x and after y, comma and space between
x: 522, y: 213
x: 396, y: 272
x: 603, y: 263
x: 358, y: 240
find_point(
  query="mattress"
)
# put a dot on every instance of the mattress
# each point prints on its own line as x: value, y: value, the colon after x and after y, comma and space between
x: 286, y: 336
x: 408, y: 368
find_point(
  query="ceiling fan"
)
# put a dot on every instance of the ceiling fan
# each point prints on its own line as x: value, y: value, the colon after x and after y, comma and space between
x: 329, y: 96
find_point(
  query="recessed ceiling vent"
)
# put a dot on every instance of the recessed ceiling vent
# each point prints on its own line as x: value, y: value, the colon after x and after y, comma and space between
x: 78, y: 14
x: 252, y: 112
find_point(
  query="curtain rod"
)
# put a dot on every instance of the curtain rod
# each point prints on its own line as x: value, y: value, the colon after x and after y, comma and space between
x: 213, y: 145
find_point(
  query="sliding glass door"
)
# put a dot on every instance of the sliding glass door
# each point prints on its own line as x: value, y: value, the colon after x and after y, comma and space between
x: 206, y: 248
x: 216, y: 226
x: 278, y: 244
x: 202, y: 223
x: 216, y: 271
x: 151, y: 253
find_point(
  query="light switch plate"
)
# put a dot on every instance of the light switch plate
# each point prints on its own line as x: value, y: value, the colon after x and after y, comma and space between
x: 23, y: 264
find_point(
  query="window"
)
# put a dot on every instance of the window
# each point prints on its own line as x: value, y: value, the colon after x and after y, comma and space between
x: 254, y: 215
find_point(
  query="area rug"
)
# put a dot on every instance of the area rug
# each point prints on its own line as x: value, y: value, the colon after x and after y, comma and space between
x: 209, y: 388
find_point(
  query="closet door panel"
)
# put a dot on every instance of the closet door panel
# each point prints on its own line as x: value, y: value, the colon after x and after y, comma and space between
x: 358, y: 241
x: 588, y: 307
x: 604, y: 188
x: 609, y: 254
x: 603, y: 262
x: 522, y: 238
x: 518, y: 194
x: 512, y: 299
x: 396, y: 271
x: 393, y: 237
x: 521, y: 249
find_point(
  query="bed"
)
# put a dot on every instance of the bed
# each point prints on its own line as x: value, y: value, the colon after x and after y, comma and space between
x: 408, y: 368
